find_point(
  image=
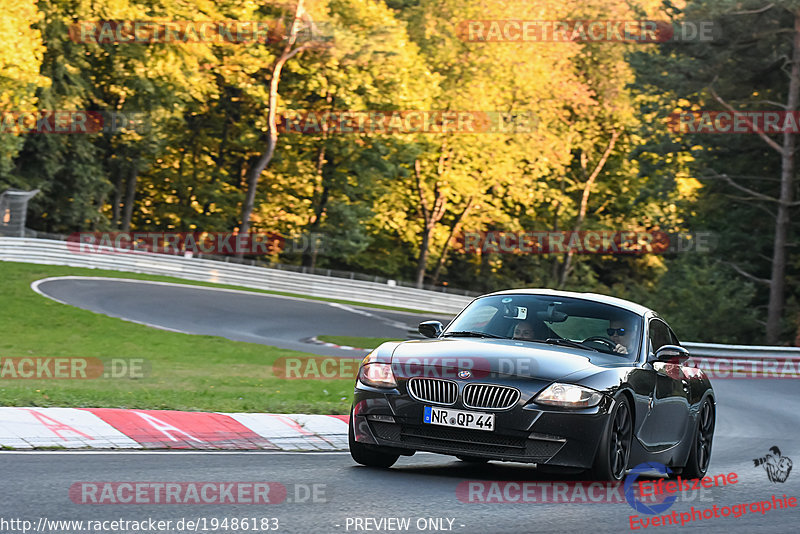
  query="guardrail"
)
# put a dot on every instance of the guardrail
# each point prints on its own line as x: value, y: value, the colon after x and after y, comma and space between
x: 258, y: 262
x: 53, y: 252
x: 744, y: 361
x: 740, y: 352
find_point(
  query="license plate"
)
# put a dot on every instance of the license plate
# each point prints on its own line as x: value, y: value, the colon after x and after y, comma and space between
x: 458, y: 418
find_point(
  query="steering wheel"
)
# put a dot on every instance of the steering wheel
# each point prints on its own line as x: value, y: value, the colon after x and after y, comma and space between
x: 610, y: 344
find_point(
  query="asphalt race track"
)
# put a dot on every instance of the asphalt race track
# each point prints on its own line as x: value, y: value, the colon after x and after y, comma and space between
x: 753, y: 415
x: 283, y: 322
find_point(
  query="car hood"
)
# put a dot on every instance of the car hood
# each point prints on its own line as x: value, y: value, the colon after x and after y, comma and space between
x: 445, y: 358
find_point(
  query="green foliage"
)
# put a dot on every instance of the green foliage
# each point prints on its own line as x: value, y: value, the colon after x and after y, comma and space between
x: 703, y: 301
x: 207, y: 104
x: 744, y: 67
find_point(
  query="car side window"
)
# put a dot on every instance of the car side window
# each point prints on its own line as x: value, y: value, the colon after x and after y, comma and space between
x: 659, y: 335
x: 673, y: 338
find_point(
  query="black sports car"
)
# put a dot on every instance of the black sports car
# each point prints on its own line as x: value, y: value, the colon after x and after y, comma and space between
x: 570, y: 380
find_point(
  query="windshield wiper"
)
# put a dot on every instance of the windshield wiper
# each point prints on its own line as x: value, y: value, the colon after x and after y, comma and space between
x: 568, y: 343
x: 471, y: 334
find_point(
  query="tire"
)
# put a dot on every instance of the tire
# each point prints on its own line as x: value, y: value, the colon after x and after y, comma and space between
x: 700, y: 454
x: 611, y: 462
x: 472, y: 459
x: 368, y: 455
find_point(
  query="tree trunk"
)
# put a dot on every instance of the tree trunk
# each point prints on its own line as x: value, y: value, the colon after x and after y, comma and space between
x: 430, y: 217
x: 777, y: 282
x: 116, y: 200
x: 453, y: 231
x: 784, y: 201
x: 254, y: 173
x: 320, y: 195
x: 310, y: 256
x: 130, y: 195
x: 555, y: 265
x: 424, y: 249
x: 587, y: 189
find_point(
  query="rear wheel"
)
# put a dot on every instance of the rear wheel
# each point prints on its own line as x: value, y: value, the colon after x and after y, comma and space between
x: 370, y: 456
x: 611, y: 461
x: 700, y: 454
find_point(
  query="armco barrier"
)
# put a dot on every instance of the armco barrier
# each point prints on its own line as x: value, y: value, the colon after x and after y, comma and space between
x: 745, y: 361
x: 748, y: 352
x: 51, y: 252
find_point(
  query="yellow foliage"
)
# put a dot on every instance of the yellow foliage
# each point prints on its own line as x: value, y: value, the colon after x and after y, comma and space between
x: 20, y: 55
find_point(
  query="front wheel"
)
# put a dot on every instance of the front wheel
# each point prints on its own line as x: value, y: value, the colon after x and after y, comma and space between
x: 611, y: 461
x: 700, y: 455
x: 365, y: 454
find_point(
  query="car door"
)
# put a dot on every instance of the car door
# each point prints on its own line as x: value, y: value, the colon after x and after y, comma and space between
x: 668, y: 417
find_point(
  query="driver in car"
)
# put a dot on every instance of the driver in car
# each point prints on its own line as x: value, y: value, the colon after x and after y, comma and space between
x: 621, y: 334
x: 524, y: 330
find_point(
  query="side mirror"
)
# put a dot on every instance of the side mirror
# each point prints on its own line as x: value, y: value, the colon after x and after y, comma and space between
x: 431, y: 328
x: 672, y: 354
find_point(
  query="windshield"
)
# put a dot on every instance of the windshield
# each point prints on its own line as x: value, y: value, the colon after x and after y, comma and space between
x: 562, y: 321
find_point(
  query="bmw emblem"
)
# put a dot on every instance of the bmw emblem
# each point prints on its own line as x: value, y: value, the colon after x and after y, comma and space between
x: 464, y: 374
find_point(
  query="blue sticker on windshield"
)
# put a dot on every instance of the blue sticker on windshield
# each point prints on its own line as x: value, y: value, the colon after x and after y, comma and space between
x: 506, y: 300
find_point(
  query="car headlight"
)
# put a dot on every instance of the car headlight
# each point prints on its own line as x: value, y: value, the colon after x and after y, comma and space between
x: 569, y: 396
x: 377, y: 375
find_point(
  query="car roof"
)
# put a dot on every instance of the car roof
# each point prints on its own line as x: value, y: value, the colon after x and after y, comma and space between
x: 604, y: 299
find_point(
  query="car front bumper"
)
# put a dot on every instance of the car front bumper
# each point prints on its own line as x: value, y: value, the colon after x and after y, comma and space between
x: 525, y: 433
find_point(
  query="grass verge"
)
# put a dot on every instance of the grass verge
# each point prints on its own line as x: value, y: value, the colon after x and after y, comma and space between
x: 185, y: 372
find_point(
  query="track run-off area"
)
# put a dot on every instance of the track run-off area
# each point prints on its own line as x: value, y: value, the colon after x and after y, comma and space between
x: 326, y: 491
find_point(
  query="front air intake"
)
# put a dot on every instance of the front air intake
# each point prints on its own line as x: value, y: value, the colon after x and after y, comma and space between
x: 490, y: 397
x: 433, y: 390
